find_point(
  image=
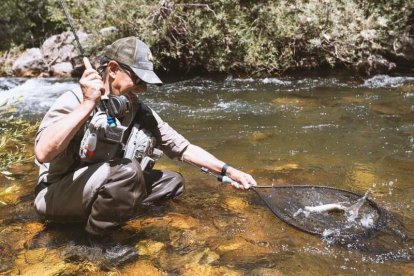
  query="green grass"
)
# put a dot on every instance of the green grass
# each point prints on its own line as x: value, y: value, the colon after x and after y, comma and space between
x: 16, y: 141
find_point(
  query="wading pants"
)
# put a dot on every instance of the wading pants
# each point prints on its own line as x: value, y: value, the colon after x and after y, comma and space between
x: 105, y: 194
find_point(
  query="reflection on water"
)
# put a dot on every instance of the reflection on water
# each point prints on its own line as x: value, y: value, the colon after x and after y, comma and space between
x: 341, y: 132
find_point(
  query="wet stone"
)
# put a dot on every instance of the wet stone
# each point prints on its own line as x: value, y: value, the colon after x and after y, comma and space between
x: 149, y: 247
x: 20, y: 235
x: 390, y: 109
x: 142, y: 268
x: 239, y: 250
x: 194, y: 269
x: 200, y: 256
x: 265, y: 272
x: 258, y: 136
x: 185, y: 241
x: 296, y: 103
x: 45, y: 262
x: 235, y: 203
x: 170, y: 220
x: 10, y: 195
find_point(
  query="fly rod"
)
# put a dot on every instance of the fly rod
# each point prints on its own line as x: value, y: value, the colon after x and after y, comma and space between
x: 86, y: 61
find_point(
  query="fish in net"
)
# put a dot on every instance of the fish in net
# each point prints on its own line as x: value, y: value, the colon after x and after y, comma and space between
x: 336, y: 215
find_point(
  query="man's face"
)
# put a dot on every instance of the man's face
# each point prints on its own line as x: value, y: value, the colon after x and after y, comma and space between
x: 123, y: 80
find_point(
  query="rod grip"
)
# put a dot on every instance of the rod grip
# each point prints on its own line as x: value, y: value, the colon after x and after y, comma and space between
x: 225, y: 179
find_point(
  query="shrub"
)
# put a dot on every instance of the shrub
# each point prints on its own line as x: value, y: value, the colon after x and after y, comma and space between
x: 256, y: 37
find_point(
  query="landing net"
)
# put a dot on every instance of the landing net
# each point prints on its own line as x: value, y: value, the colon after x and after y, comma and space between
x: 334, y: 214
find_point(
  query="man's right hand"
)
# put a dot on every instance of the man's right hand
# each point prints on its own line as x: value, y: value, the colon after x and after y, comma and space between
x: 92, y: 85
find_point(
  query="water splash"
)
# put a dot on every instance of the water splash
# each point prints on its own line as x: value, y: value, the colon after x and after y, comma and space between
x: 353, y: 210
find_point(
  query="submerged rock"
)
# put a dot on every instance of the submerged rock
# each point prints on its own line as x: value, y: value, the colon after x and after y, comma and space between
x: 258, y: 136
x: 43, y: 261
x: 236, y: 204
x: 198, y: 257
x: 17, y: 236
x: 172, y: 219
x: 143, y: 268
x: 149, y: 247
x: 300, y: 102
x: 193, y: 270
x: 390, y: 109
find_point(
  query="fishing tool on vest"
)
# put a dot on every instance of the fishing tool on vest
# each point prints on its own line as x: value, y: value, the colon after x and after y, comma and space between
x: 101, y: 141
x: 141, y: 146
x: 337, y: 215
x: 110, y: 118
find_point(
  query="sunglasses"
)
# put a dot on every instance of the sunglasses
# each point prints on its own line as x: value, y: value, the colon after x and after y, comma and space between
x: 135, y: 79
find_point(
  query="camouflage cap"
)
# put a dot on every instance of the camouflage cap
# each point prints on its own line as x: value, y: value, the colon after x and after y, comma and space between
x: 136, y: 54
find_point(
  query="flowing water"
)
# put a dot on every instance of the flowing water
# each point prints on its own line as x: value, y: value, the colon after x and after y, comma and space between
x: 339, y: 131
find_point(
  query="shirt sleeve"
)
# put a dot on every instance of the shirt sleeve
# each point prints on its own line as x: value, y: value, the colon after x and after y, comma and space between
x: 172, y: 143
x: 65, y: 104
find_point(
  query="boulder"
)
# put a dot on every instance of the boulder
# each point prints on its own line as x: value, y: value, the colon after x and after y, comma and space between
x: 62, y: 47
x: 62, y: 69
x: 30, y: 64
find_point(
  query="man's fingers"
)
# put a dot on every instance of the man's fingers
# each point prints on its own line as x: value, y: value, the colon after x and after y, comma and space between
x: 87, y: 63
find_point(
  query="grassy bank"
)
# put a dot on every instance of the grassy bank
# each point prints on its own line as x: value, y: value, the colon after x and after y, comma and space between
x: 253, y: 37
x: 16, y: 142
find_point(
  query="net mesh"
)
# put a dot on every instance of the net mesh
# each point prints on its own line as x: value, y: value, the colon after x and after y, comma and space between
x: 289, y: 204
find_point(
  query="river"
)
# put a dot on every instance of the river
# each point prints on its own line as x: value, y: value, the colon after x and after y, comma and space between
x: 339, y: 131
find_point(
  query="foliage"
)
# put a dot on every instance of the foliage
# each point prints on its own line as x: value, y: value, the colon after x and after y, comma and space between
x: 257, y: 37
x: 25, y: 23
x: 15, y: 135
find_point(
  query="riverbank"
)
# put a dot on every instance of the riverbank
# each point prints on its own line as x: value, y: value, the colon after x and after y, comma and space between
x: 238, y: 37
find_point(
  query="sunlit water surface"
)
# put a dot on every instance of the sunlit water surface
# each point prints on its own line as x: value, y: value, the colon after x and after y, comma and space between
x: 337, y: 131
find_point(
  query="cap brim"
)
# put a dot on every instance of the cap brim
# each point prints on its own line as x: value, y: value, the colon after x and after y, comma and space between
x: 147, y: 75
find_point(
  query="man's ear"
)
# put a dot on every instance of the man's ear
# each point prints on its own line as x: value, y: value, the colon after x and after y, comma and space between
x: 112, y: 68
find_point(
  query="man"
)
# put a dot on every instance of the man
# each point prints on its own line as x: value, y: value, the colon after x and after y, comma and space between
x: 105, y: 193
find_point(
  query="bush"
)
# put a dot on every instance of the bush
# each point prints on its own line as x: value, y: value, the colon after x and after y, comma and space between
x: 256, y: 37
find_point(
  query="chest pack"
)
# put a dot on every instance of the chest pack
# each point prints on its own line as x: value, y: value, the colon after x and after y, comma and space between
x: 102, y: 142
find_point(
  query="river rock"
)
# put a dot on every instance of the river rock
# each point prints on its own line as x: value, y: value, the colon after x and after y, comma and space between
x: 235, y: 203
x: 149, y: 247
x: 239, y: 250
x: 30, y: 64
x: 259, y: 136
x: 387, y: 108
x: 142, y: 268
x: 174, y: 220
x: 196, y: 258
x: 44, y: 261
x: 194, y: 269
x: 374, y: 64
x: 62, y: 69
x: 61, y: 47
x: 266, y: 272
